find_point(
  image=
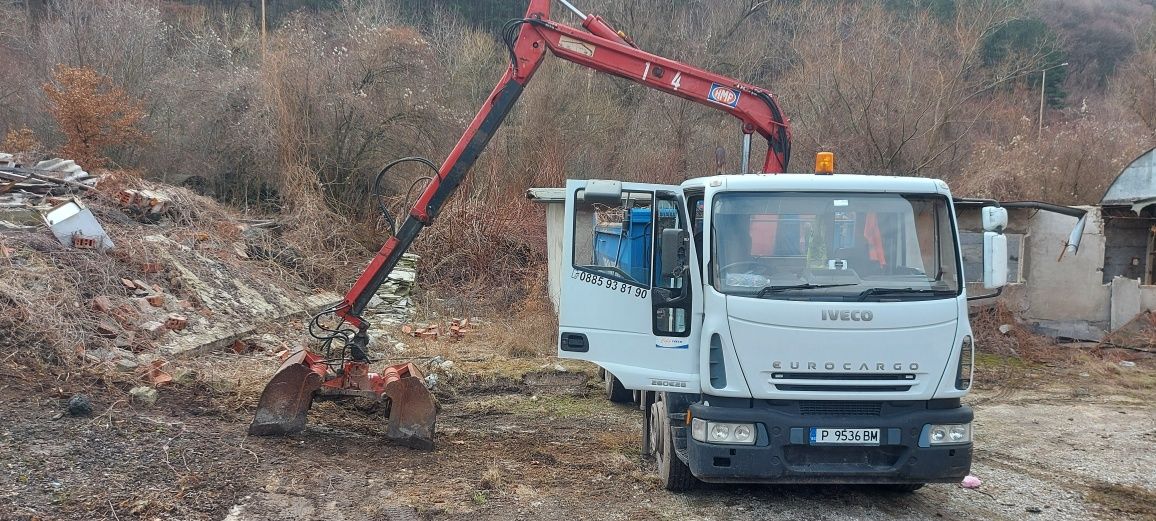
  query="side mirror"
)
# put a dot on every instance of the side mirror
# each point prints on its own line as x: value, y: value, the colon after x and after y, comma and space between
x: 675, y: 244
x: 605, y: 192
x: 994, y: 260
x: 994, y: 218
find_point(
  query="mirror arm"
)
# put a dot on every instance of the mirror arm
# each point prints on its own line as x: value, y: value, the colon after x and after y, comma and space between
x: 998, y: 292
x: 666, y: 301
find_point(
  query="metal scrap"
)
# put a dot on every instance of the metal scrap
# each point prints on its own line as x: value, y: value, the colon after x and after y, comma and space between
x: 75, y: 226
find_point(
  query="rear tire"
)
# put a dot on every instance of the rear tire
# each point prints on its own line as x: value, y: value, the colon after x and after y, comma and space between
x: 615, y: 392
x: 675, y: 474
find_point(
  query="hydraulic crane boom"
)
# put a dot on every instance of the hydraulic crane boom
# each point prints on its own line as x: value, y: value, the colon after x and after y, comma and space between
x: 288, y: 395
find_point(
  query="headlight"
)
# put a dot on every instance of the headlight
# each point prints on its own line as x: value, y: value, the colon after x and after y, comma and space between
x: 963, y: 370
x: 949, y: 434
x: 718, y: 432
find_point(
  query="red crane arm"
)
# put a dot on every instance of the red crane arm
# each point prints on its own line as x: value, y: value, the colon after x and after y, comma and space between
x: 601, y: 49
x: 606, y: 50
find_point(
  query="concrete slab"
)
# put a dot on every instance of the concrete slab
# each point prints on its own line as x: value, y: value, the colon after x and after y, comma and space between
x: 1125, y: 301
x: 225, y: 330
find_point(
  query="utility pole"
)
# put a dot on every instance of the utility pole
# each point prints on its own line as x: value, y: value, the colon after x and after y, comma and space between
x: 262, y: 30
x: 1043, y: 91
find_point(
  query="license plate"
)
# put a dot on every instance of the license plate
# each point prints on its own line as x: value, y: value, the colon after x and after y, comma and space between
x: 827, y: 436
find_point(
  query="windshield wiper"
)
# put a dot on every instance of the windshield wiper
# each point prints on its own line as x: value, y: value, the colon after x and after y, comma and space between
x: 875, y: 292
x: 775, y: 289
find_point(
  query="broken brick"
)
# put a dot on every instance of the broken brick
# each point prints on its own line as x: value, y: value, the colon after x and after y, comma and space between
x: 239, y: 346
x: 84, y: 242
x: 156, y: 300
x: 128, y: 197
x: 123, y: 314
x: 102, y: 304
x: 155, y: 375
x: 128, y: 283
x: 150, y: 267
x: 139, y: 284
x: 176, y: 322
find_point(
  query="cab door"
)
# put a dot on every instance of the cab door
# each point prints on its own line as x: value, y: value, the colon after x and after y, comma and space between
x: 627, y: 299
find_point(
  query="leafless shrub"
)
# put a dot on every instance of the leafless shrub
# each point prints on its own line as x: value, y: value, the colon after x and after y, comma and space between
x: 1074, y: 163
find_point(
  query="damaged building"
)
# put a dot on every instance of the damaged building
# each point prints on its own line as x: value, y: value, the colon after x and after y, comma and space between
x: 1109, y: 283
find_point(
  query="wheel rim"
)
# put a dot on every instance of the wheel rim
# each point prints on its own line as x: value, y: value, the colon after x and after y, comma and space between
x: 656, y: 440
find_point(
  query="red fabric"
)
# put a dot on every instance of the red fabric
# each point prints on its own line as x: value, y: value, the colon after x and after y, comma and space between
x: 874, y: 239
x: 763, y: 229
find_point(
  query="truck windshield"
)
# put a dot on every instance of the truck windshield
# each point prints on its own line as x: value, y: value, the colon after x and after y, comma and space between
x: 834, y: 246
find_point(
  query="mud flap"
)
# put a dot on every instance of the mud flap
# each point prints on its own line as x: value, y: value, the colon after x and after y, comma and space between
x: 286, y: 398
x: 412, y: 413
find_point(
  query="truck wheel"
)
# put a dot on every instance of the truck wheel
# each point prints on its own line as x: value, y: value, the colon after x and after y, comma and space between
x: 676, y: 476
x: 615, y: 392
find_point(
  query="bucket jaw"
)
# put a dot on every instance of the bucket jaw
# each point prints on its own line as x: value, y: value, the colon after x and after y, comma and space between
x: 304, y: 376
x: 412, y: 411
x: 287, y: 397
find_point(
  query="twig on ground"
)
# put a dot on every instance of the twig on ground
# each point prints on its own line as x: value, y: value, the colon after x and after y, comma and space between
x: 246, y: 449
x: 107, y: 413
x: 113, y: 509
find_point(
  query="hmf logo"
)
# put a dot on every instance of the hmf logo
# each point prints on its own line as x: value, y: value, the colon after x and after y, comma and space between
x: 847, y: 314
x: 723, y: 94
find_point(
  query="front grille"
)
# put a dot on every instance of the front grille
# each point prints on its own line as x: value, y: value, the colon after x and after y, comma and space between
x: 840, y: 408
x: 882, y: 456
x: 845, y: 388
x: 843, y: 376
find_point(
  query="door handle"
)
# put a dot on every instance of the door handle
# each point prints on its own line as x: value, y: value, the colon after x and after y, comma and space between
x: 575, y: 343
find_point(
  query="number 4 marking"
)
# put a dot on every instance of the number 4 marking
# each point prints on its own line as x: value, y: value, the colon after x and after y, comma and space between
x: 677, y: 81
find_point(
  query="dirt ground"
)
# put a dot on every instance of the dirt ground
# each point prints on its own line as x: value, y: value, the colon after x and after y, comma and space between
x: 519, y: 439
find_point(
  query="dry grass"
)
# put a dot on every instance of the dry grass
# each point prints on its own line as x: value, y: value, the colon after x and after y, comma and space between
x: 1018, y: 342
x: 491, y: 479
x: 1005, y: 360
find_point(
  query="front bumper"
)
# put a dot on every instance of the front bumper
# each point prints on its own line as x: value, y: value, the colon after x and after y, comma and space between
x: 783, y: 453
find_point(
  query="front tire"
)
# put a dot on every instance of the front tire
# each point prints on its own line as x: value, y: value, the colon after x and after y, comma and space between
x: 615, y: 392
x: 675, y: 474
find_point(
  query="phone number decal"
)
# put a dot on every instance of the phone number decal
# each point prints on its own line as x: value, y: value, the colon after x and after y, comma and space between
x: 609, y: 284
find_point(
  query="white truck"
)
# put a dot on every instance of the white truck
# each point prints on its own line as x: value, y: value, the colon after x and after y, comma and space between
x: 789, y: 328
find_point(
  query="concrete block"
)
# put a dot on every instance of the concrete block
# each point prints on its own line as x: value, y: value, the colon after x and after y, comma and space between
x: 142, y: 305
x: 127, y: 365
x: 1125, y: 303
x: 153, y: 328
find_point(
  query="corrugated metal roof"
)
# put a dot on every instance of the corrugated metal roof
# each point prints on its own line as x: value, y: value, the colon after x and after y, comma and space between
x: 1135, y: 184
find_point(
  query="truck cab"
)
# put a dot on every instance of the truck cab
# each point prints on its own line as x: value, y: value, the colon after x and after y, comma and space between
x: 790, y: 328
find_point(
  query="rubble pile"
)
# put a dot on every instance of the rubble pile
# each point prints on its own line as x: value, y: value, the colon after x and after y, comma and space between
x: 120, y: 272
x: 27, y: 192
x: 391, y: 305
